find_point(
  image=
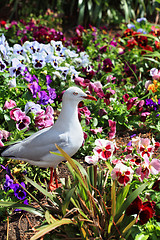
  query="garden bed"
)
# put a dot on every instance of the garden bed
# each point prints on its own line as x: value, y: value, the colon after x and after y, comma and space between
x: 119, y: 68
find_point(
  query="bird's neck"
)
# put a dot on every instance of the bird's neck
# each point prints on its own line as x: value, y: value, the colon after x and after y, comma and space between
x: 68, y: 117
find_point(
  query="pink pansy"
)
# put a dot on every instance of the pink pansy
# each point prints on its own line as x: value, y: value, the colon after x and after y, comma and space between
x: 116, y: 161
x: 96, y: 130
x: 86, y: 112
x: 122, y: 174
x: 135, y: 159
x: 9, y: 104
x: 140, y: 105
x: 112, y: 125
x: 16, y: 113
x: 104, y: 148
x: 44, y: 118
x: 3, y: 134
x: 154, y: 166
x: 131, y: 102
x: 97, y: 87
x: 82, y: 82
x: 92, y: 159
x: 22, y: 121
x: 148, y: 167
x: 144, y: 116
x: 145, y: 147
x: 110, y: 78
x: 126, y: 97
x: 155, y: 144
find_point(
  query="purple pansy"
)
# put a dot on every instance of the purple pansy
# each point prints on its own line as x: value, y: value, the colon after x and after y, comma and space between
x: 19, y: 192
x: 43, y: 98
x: 8, y: 183
x: 52, y: 94
x: 34, y: 88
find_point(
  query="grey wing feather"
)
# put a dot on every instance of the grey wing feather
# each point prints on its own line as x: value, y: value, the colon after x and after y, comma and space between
x: 37, y: 146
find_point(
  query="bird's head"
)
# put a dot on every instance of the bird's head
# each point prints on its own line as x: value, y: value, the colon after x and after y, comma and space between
x: 76, y: 94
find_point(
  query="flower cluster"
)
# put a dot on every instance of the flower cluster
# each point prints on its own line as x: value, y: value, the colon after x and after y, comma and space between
x: 19, y: 192
x: 144, y: 210
x: 137, y: 159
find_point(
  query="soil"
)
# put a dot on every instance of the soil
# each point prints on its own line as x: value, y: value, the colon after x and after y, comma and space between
x: 21, y: 225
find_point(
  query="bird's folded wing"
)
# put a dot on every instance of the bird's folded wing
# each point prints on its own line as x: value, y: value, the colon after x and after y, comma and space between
x: 36, y: 147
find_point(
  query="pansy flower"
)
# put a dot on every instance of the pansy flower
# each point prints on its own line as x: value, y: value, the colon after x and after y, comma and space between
x: 144, y: 210
x: 92, y: 159
x: 2, y: 65
x: 22, y: 121
x: 19, y: 192
x: 32, y: 107
x: 17, y: 68
x: 38, y: 60
x: 34, y: 88
x: 64, y: 71
x: 43, y: 98
x: 44, y: 118
x: 107, y: 65
x: 9, y: 104
x: 104, y: 148
x: 145, y: 147
x: 8, y: 183
x: 122, y: 174
x: 112, y: 125
x: 4, y: 135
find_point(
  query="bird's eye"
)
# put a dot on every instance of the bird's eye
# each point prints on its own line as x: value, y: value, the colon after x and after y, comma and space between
x: 75, y: 93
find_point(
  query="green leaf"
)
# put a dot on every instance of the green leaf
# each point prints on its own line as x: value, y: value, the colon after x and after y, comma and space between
x: 141, y: 237
x: 67, y: 200
x: 22, y: 206
x: 42, y: 190
x: 121, y: 196
x: 52, y: 227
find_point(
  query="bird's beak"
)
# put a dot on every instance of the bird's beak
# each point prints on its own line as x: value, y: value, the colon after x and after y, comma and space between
x: 90, y: 97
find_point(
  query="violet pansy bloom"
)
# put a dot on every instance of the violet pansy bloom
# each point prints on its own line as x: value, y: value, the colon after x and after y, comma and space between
x: 107, y: 65
x: 34, y: 88
x: 52, y: 94
x: 8, y: 183
x: 19, y: 192
x: 43, y: 98
x: 48, y: 80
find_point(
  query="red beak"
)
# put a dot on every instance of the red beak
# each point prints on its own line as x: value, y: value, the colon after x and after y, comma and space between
x: 90, y: 97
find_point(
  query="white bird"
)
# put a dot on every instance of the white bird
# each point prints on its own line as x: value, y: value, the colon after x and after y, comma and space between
x: 66, y: 133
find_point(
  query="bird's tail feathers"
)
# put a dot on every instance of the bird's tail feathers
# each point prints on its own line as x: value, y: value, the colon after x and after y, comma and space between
x: 3, y: 148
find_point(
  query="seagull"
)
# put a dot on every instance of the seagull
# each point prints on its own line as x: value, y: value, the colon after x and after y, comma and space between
x: 67, y: 133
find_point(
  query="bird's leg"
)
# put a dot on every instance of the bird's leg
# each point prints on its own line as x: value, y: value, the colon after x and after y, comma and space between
x: 51, y: 185
x: 55, y: 177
